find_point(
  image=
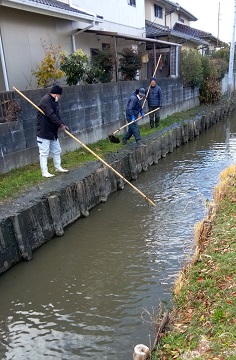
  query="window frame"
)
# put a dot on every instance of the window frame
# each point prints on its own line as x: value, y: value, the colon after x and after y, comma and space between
x: 158, y: 11
x: 132, y: 3
x: 93, y: 52
x: 180, y: 19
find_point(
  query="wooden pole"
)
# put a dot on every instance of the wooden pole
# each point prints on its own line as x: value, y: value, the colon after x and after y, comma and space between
x: 92, y: 152
x: 131, y: 122
x: 154, y: 73
x: 110, y: 167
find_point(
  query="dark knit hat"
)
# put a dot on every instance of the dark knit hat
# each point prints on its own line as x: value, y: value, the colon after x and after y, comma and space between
x: 56, y: 89
x: 141, y: 91
x: 153, y: 78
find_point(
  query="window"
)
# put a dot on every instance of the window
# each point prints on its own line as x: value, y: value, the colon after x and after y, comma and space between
x: 158, y: 11
x: 94, y: 52
x: 180, y: 19
x: 106, y: 46
x: 132, y: 2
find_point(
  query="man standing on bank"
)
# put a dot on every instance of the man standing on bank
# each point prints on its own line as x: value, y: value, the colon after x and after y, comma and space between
x: 133, y: 109
x: 154, y: 101
x: 47, y: 130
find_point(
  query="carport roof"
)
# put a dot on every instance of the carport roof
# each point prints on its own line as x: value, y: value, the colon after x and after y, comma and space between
x: 131, y: 37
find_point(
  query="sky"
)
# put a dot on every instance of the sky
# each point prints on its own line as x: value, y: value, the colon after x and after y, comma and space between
x: 207, y: 13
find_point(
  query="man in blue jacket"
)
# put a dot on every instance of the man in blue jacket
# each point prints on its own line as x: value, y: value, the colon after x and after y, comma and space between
x: 47, y: 130
x: 133, y: 109
x: 154, y: 101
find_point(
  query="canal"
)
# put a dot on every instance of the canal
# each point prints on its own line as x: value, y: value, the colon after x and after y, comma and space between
x: 93, y: 293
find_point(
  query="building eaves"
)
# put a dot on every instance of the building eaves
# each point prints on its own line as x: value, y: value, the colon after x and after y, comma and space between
x: 51, y: 8
x: 188, y: 14
x: 179, y: 8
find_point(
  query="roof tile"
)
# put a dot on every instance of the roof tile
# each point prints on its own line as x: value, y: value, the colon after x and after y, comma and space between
x: 60, y: 5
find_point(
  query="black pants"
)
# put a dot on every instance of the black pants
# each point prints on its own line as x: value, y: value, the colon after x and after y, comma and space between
x: 133, y: 129
x: 155, y: 115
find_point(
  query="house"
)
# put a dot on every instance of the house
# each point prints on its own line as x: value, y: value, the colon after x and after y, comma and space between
x: 169, y: 21
x: 124, y: 26
x: 25, y: 25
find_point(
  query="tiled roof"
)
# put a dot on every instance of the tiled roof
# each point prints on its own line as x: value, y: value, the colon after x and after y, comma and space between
x: 60, y: 5
x: 153, y: 29
x: 180, y: 31
x: 190, y: 31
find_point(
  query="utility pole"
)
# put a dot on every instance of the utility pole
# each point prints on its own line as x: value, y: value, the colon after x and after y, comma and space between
x: 231, y: 58
x: 218, y: 32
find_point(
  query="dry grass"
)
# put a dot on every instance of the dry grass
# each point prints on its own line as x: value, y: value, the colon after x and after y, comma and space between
x: 203, y: 324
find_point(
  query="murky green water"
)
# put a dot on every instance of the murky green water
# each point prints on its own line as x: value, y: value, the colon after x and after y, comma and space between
x: 92, y: 293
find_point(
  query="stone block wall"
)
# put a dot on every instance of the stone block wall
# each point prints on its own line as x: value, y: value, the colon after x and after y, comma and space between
x: 92, y: 112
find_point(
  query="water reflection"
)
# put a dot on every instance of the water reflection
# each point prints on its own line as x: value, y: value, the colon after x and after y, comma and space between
x: 87, y: 294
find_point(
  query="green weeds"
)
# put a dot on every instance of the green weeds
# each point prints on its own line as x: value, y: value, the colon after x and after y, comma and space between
x: 19, y: 180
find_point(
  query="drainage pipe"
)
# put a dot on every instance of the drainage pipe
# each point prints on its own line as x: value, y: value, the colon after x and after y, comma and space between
x: 4, y: 69
x: 79, y: 32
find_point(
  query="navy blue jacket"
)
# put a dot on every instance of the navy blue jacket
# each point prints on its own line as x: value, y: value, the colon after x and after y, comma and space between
x: 155, y: 96
x: 134, y: 107
x: 48, y: 125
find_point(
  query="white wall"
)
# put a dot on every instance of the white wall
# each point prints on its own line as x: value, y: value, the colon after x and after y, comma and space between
x: 225, y: 83
x: 118, y: 16
x: 169, y: 20
x: 149, y: 12
x: 174, y: 17
x: 22, y: 34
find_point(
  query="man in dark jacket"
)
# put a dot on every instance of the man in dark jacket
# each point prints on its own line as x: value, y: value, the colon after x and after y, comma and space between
x: 47, y: 130
x: 154, y: 101
x: 133, y: 109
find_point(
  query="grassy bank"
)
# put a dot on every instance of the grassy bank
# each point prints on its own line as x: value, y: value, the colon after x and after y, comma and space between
x: 203, y: 322
x: 19, y: 180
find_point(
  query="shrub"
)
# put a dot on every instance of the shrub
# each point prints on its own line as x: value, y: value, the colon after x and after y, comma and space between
x: 49, y: 70
x: 223, y: 53
x: 91, y: 75
x: 130, y: 62
x: 210, y: 91
x: 102, y: 64
x: 213, y: 72
x: 74, y: 66
x: 191, y: 68
x: 220, y: 67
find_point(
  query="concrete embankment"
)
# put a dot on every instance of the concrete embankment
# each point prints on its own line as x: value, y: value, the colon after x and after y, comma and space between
x: 44, y: 211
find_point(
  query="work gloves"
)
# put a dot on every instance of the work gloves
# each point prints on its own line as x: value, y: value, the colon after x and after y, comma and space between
x: 133, y: 117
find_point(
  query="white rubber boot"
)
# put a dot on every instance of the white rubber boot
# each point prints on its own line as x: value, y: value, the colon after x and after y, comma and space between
x: 60, y: 169
x: 57, y: 163
x: 44, y: 167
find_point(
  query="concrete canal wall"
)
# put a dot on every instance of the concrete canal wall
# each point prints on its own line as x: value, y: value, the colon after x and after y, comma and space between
x: 44, y: 211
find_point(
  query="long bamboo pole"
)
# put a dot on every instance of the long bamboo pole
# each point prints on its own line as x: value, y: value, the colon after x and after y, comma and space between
x: 154, y: 73
x: 145, y: 99
x: 131, y: 122
x: 91, y: 151
x: 110, y: 167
